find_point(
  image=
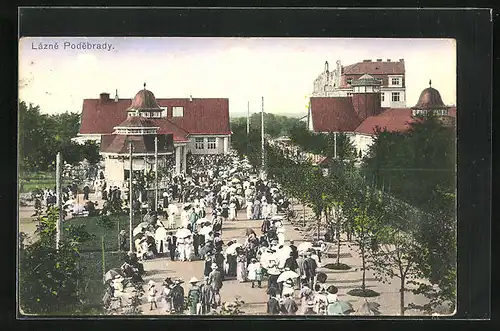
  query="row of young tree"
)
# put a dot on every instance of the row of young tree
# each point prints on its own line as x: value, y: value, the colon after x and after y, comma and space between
x: 41, y: 136
x: 413, y: 232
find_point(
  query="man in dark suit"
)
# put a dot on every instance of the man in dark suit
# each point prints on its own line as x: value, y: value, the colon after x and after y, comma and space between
x: 171, y: 245
x: 215, y: 280
x: 295, y: 252
x: 273, y: 305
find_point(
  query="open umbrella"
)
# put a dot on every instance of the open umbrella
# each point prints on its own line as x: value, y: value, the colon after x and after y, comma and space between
x: 232, y: 248
x: 339, y: 308
x: 277, y: 218
x: 183, y: 233
x: 110, y: 275
x: 173, y: 209
x: 285, y: 275
x: 304, y: 246
x: 235, y: 180
x: 368, y: 308
x: 267, y: 259
x: 249, y: 231
x: 205, y: 230
x: 203, y: 220
x: 137, y: 230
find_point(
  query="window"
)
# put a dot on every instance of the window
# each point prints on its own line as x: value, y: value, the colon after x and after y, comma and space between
x: 382, y: 96
x: 395, y: 81
x: 381, y: 81
x: 349, y: 81
x: 211, y: 143
x: 395, y: 96
x: 177, y: 111
x: 199, y: 143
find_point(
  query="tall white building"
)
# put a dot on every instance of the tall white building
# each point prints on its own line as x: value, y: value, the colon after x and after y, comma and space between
x: 338, y: 81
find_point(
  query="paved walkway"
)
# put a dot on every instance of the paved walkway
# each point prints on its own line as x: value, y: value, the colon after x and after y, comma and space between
x: 256, y: 299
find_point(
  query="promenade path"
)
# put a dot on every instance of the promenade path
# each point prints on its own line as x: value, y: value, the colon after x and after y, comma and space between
x: 256, y: 299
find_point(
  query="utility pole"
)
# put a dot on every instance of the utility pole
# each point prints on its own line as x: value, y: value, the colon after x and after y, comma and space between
x: 335, y: 145
x: 156, y: 173
x: 262, y: 137
x: 59, y: 199
x: 131, y: 201
x: 248, y: 119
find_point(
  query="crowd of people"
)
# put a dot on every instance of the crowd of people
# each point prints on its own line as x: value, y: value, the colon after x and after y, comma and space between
x: 210, y: 197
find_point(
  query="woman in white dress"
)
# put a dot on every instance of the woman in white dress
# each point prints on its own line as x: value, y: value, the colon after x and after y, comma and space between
x: 265, y: 209
x: 188, y: 248
x: 249, y: 209
x: 185, y: 218
x: 280, y: 230
x: 181, y: 248
x: 232, y: 211
x: 172, y: 211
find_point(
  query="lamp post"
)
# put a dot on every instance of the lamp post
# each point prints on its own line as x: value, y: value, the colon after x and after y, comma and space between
x: 131, y: 201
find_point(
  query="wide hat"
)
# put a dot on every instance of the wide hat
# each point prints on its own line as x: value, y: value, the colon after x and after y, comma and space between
x: 194, y: 280
x: 151, y: 283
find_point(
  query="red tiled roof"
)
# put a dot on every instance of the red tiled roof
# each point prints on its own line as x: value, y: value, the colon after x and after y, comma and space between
x: 137, y: 122
x: 117, y: 143
x: 201, y: 116
x: 375, y: 68
x: 391, y: 119
x: 333, y: 114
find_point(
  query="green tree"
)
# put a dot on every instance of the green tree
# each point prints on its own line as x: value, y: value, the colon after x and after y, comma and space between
x: 49, y: 277
x: 396, y: 257
x: 365, y: 208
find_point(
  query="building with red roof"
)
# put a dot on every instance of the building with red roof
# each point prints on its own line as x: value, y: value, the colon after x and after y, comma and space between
x: 390, y: 74
x: 361, y: 115
x: 199, y: 126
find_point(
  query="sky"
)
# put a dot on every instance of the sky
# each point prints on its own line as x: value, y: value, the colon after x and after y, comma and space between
x: 282, y: 70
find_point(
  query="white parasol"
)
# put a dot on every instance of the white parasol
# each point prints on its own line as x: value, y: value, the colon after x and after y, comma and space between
x: 235, y: 180
x: 304, y: 246
x: 173, y: 209
x: 284, y: 253
x: 285, y: 275
x: 267, y: 259
x: 69, y: 202
x: 203, y: 220
x: 183, y: 233
x: 277, y: 218
x: 137, y: 230
x: 110, y: 275
x: 205, y: 230
x: 232, y: 248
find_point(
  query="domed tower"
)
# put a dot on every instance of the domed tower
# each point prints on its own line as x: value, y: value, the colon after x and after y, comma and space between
x: 430, y: 102
x: 144, y: 104
x: 366, y: 96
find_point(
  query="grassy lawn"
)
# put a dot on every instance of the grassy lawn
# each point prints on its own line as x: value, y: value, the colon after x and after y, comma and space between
x: 110, y: 236
x: 91, y: 255
x: 91, y: 263
x: 37, y: 180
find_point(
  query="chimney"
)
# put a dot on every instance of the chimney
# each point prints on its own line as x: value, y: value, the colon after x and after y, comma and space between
x: 104, y: 97
x: 388, y: 60
x: 190, y: 97
x: 401, y: 60
x: 367, y: 60
x: 379, y: 60
x: 116, y: 96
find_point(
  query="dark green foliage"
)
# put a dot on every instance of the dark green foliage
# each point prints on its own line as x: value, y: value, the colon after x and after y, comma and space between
x: 366, y: 293
x: 41, y: 136
x: 49, y: 277
x: 335, y: 266
x: 419, y: 167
